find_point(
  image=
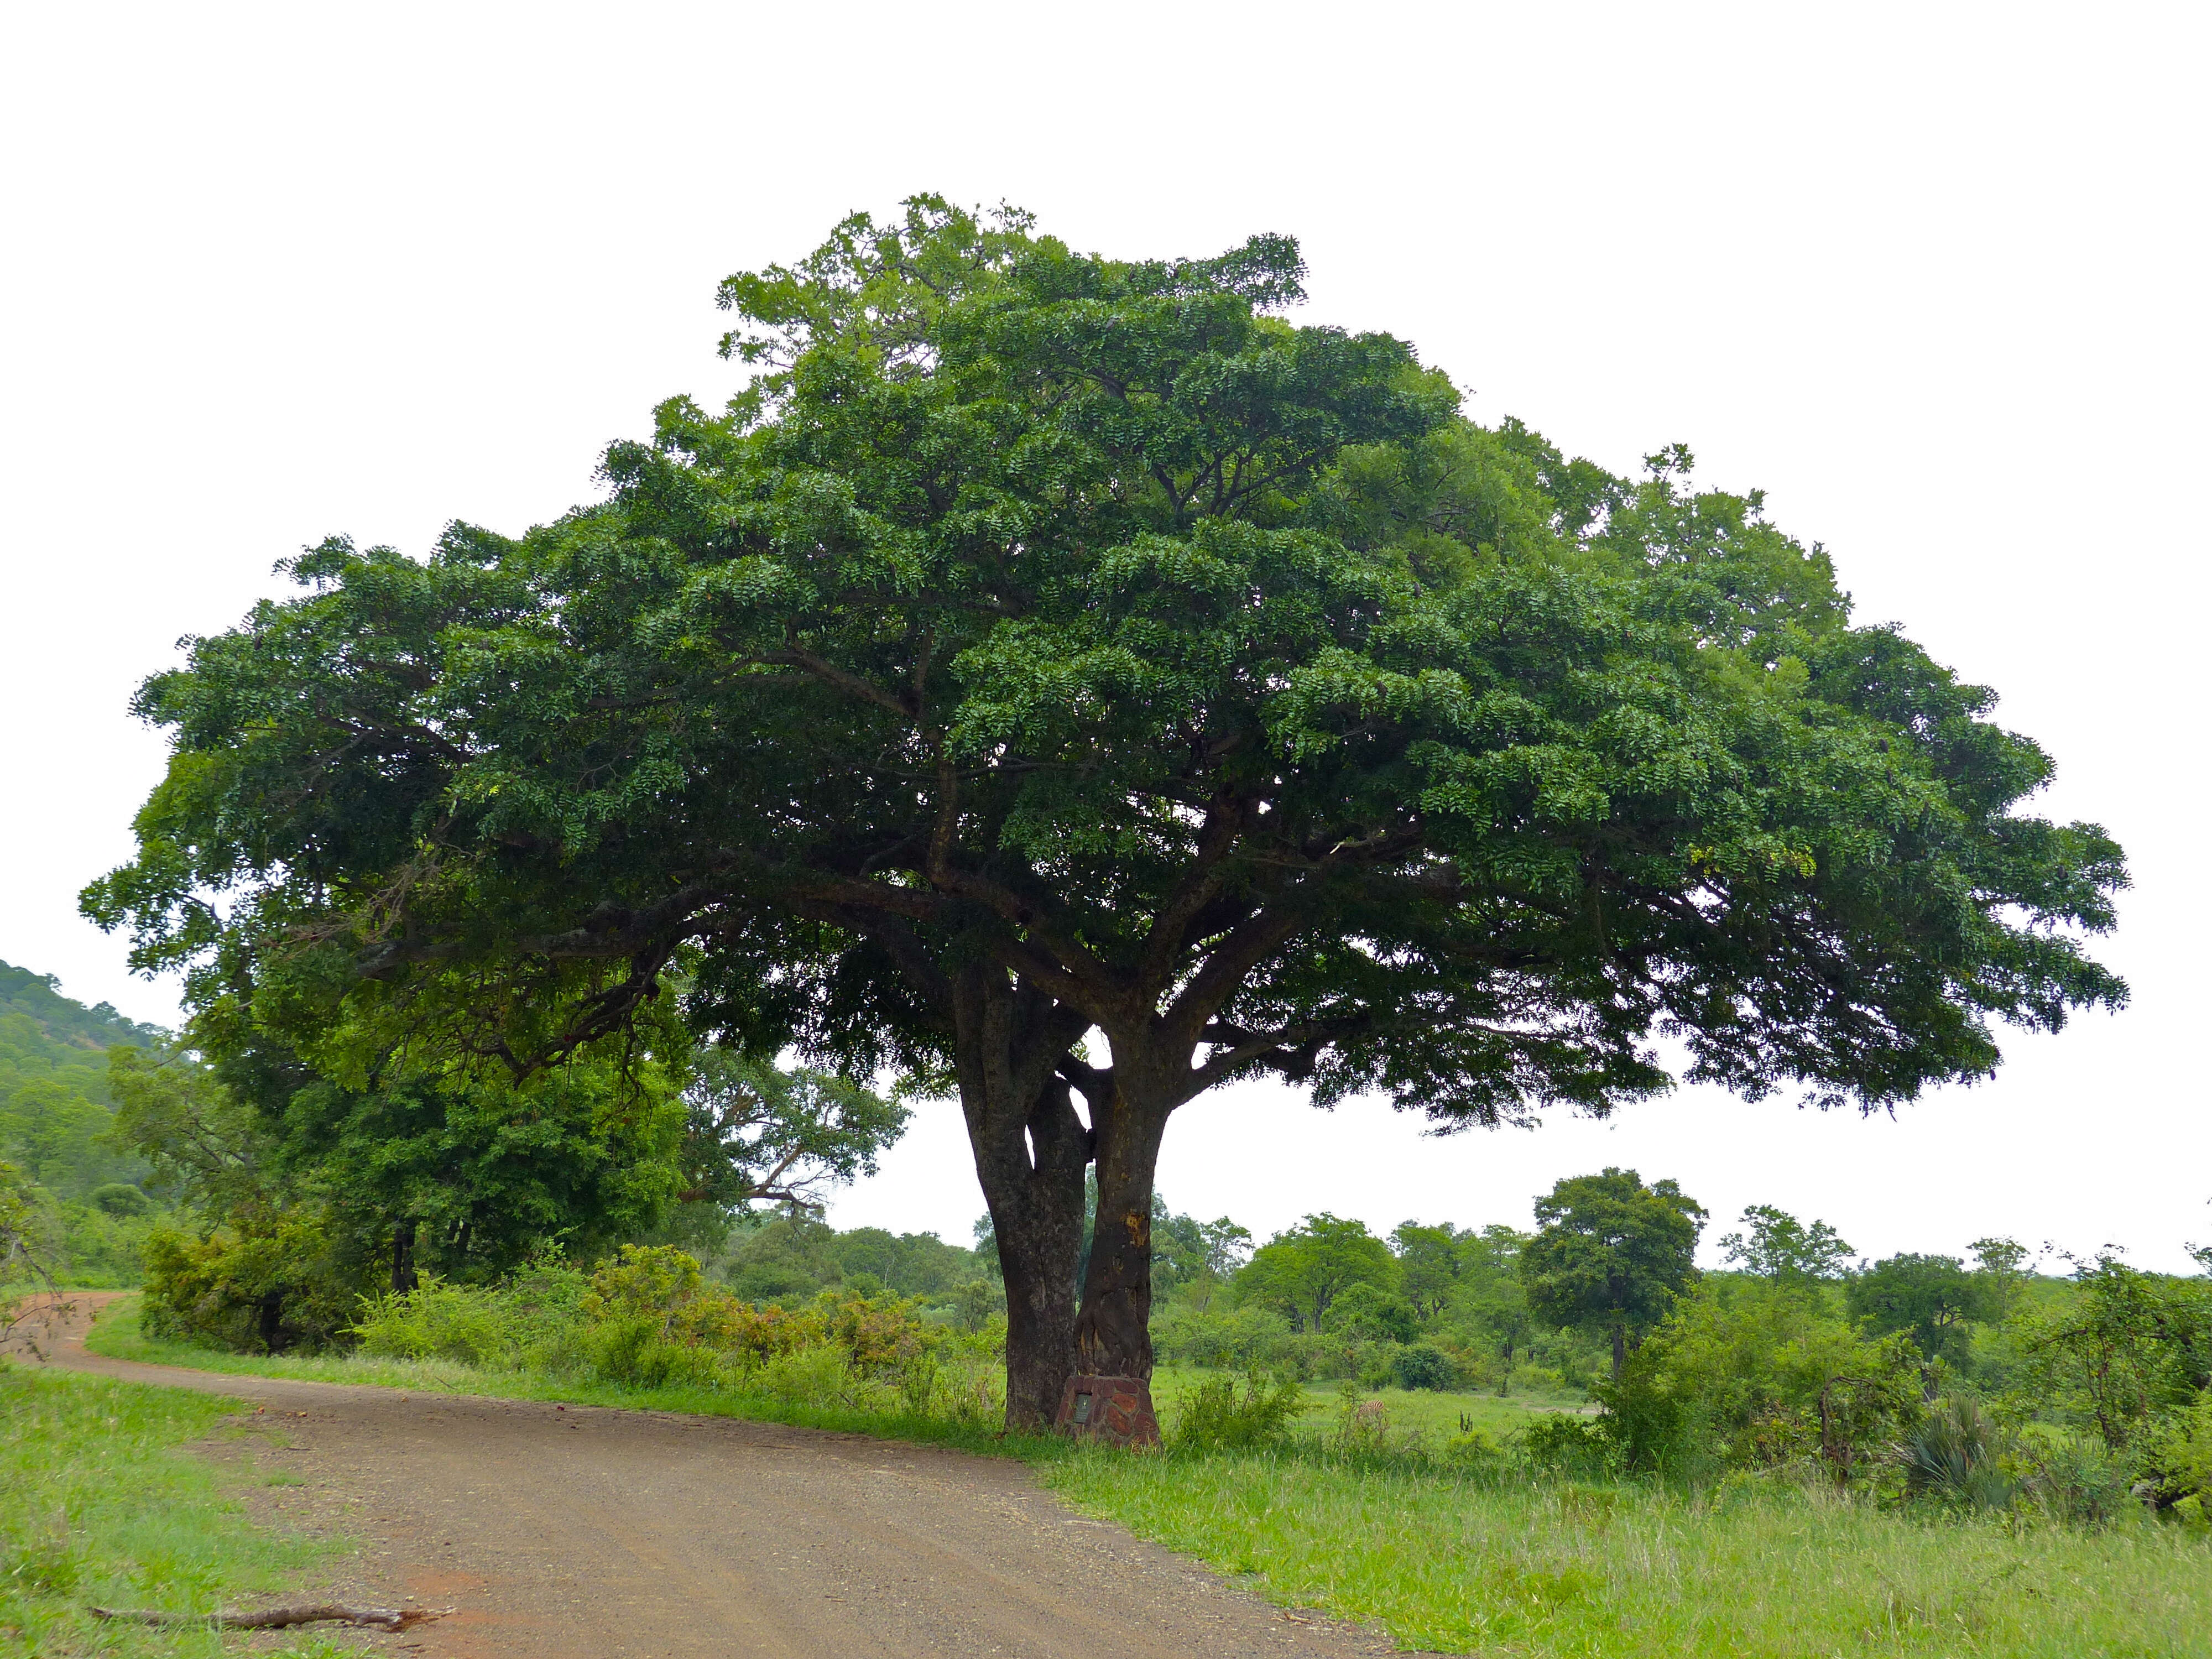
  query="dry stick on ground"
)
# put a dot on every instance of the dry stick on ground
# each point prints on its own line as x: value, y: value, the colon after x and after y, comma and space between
x: 306, y: 1612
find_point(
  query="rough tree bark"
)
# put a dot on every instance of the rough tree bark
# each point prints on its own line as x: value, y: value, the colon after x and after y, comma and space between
x: 1112, y: 1330
x: 1031, y: 1151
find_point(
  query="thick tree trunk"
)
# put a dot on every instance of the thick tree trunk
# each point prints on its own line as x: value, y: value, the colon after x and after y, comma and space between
x: 1036, y: 1198
x: 1113, y: 1332
x: 1031, y: 1151
x: 1620, y: 1351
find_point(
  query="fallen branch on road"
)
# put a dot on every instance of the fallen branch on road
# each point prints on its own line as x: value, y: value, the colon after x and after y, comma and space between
x: 304, y: 1612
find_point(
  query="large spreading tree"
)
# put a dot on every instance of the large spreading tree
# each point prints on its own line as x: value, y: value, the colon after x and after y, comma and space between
x: 1047, y: 644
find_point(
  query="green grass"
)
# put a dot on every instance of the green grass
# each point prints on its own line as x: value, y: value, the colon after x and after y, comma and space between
x: 101, y: 1506
x: 1540, y: 1571
x: 1434, y: 1416
x: 1758, y: 1569
x: 118, y: 1336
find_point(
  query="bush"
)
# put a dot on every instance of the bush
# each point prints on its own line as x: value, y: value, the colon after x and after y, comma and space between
x: 1221, y: 1338
x: 119, y: 1198
x: 1425, y: 1366
x: 1215, y: 1417
x: 271, y: 1285
x: 1953, y: 1455
x: 2077, y: 1481
x: 1745, y: 1375
x: 437, y: 1319
x: 2178, y: 1458
x: 817, y: 1376
x: 1561, y: 1444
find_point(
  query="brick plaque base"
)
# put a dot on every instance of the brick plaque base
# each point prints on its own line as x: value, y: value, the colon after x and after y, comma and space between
x: 1117, y: 1410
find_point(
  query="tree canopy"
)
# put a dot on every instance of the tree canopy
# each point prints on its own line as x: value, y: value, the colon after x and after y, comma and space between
x: 1782, y: 1250
x: 1611, y: 1253
x: 1303, y: 1271
x: 1046, y: 641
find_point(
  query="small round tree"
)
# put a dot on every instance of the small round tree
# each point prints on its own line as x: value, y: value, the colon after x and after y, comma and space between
x: 1611, y: 1255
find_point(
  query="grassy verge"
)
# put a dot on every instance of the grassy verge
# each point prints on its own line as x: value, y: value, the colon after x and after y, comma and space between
x: 1501, y: 1566
x: 1435, y: 1416
x: 100, y: 1507
x: 1755, y: 1570
x: 117, y: 1335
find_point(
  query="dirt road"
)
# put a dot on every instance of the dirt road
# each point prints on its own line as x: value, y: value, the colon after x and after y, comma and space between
x: 591, y: 1533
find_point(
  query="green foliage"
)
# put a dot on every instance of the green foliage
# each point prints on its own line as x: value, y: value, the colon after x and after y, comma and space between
x: 1955, y: 1453
x: 269, y: 1283
x: 1782, y: 1249
x: 1611, y: 1253
x: 1930, y: 1299
x: 2123, y: 1353
x: 1301, y: 1272
x: 790, y: 1258
x: 1214, y: 1417
x: 2179, y: 1456
x: 1749, y: 1374
x: 757, y: 1133
x: 87, y: 1211
x: 1365, y: 1310
x: 1225, y: 1338
x: 1423, y: 1365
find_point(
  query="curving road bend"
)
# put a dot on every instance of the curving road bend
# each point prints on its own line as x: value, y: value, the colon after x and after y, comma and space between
x: 589, y: 1532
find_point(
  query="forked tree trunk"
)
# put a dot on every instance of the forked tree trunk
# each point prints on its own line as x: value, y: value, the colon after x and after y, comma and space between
x: 1113, y: 1332
x: 1031, y: 1151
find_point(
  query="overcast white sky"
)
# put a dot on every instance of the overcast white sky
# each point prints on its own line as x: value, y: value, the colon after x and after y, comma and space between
x: 1934, y: 276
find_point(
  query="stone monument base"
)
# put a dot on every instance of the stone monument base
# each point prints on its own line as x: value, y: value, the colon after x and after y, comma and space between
x: 1117, y: 1410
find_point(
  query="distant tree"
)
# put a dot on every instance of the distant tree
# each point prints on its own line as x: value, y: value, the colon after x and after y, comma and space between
x: 1781, y: 1249
x: 755, y: 1134
x: 1365, y: 1310
x: 1186, y: 1251
x: 1930, y: 1299
x: 1611, y: 1255
x: 1433, y: 1262
x: 2002, y: 1264
x: 1301, y: 1272
x: 1490, y: 1299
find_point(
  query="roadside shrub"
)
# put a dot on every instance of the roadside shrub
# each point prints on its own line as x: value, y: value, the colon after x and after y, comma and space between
x: 1215, y: 1417
x: 439, y: 1320
x: 270, y: 1285
x: 1425, y: 1366
x: 632, y: 1349
x: 818, y: 1377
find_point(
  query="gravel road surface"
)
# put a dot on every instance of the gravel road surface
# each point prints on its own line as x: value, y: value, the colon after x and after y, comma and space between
x: 591, y: 1532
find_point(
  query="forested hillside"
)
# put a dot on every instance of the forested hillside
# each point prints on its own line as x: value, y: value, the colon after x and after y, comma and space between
x: 55, y: 1118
